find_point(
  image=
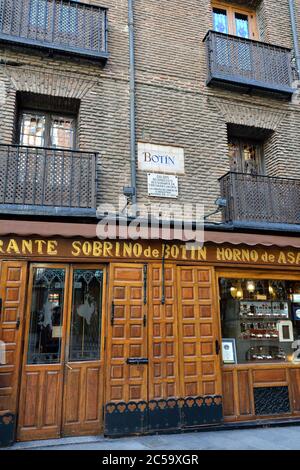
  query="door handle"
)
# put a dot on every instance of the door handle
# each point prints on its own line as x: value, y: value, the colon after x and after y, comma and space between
x: 69, y: 367
x: 217, y: 347
x: 137, y: 360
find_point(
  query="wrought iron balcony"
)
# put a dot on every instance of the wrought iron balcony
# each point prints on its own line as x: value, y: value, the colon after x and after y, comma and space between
x: 257, y: 200
x: 248, y: 64
x: 36, y: 178
x: 58, y: 25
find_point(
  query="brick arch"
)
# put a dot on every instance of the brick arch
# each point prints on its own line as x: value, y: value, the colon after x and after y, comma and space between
x: 244, y: 115
x: 48, y: 83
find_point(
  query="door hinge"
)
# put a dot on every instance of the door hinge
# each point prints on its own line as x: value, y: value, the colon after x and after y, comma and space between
x: 112, y: 314
x: 217, y: 347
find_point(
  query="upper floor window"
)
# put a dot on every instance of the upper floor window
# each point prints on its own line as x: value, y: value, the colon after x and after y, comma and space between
x: 230, y: 19
x: 245, y: 155
x: 39, y: 129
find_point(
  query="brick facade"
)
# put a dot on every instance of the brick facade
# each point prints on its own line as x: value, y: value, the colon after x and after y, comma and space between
x: 174, y: 105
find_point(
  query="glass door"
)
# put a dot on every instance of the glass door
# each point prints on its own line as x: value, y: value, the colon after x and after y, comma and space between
x: 62, y: 376
x: 83, y: 398
x: 43, y: 360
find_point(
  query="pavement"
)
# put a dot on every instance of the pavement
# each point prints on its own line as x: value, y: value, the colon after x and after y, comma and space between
x: 273, y: 438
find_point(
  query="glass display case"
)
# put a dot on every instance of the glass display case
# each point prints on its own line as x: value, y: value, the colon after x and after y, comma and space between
x: 261, y: 316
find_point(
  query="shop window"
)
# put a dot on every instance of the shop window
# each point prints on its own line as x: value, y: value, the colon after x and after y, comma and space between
x: 260, y: 320
x: 230, y: 19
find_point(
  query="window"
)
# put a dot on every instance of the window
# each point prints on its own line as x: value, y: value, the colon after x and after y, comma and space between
x: 39, y: 129
x: 245, y: 156
x: 229, y: 19
x: 260, y: 319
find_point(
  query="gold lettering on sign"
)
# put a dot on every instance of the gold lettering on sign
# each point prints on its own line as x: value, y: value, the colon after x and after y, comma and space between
x: 237, y: 255
x: 76, y: 248
x: 27, y: 247
x: 13, y: 247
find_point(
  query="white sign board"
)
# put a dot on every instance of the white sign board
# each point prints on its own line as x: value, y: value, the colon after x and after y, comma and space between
x: 162, y: 185
x: 160, y: 158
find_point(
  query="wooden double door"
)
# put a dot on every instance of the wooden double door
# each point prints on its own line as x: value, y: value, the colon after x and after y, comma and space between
x: 62, y: 373
x: 166, y: 316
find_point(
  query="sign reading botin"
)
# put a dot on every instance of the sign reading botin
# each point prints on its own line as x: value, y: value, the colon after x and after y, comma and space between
x: 160, y: 158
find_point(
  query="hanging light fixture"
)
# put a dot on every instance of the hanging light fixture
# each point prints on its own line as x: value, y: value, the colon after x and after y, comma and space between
x: 250, y: 286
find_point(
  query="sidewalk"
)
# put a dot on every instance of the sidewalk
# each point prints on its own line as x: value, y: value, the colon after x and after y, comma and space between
x: 281, y: 438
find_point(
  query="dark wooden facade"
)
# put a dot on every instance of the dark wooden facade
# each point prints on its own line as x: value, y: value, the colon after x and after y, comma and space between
x: 160, y: 365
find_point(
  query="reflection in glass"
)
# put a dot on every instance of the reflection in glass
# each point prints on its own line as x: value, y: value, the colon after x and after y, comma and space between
x: 220, y: 20
x: 242, y: 25
x: 33, y: 130
x: 86, y: 315
x: 46, y: 318
x: 62, y: 132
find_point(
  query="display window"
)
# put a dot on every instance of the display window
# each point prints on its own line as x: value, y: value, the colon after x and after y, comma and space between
x: 260, y: 320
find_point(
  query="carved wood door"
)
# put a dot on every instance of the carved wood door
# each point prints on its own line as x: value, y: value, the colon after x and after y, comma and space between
x: 12, y: 297
x: 198, y: 332
x: 84, y: 356
x: 61, y: 386
x: 127, y: 335
x: 40, y: 405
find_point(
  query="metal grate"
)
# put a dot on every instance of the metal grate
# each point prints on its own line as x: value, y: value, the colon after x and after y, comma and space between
x: 248, y: 63
x: 64, y: 25
x: 271, y: 400
x: 260, y: 199
x: 47, y: 177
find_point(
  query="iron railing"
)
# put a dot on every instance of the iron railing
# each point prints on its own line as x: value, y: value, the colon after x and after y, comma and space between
x: 260, y: 199
x: 62, y: 25
x: 247, y: 63
x: 36, y: 176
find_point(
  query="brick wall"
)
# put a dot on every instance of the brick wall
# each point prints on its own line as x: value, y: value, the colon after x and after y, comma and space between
x: 174, y: 106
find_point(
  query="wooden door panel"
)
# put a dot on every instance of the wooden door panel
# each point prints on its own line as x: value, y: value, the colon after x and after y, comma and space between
x: 197, y: 303
x: 126, y: 334
x: 82, y: 397
x: 163, y: 334
x: 83, y: 379
x: 12, y: 292
x: 40, y: 413
x: 40, y: 404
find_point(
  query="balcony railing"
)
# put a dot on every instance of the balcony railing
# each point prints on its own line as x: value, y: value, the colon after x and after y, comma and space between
x: 42, y: 177
x: 57, y: 25
x: 260, y: 200
x: 248, y: 64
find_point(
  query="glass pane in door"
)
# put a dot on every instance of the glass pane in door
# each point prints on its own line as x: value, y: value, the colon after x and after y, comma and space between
x: 46, y: 317
x: 85, y: 335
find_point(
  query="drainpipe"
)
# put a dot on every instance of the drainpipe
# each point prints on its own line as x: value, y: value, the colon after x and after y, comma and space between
x: 295, y: 35
x: 132, y: 100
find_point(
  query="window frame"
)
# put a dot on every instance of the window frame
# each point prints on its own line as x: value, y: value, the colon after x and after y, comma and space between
x: 231, y: 9
x: 49, y: 117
